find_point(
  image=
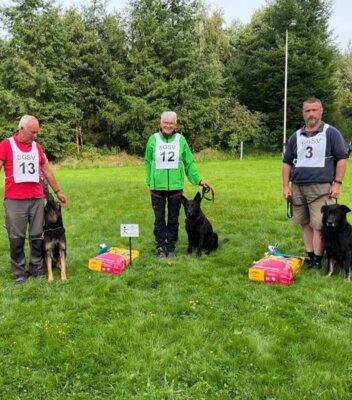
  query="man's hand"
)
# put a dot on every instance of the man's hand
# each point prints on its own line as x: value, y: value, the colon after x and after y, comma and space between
x: 286, y: 192
x: 62, y: 198
x: 334, y: 190
x: 204, y: 184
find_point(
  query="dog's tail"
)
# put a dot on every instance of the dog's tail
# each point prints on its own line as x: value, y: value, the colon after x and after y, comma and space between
x: 223, y: 241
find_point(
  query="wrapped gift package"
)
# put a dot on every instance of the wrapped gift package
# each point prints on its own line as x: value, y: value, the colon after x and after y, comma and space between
x: 275, y: 269
x: 113, y: 261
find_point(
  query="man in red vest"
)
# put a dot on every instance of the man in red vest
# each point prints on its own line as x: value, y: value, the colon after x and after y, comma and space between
x: 24, y: 164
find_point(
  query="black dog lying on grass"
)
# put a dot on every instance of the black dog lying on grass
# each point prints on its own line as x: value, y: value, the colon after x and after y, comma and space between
x: 54, y: 242
x: 199, y: 229
x: 337, y: 237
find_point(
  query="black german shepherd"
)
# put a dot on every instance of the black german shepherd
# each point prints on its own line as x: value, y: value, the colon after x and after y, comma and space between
x: 337, y: 237
x: 54, y: 243
x: 199, y: 229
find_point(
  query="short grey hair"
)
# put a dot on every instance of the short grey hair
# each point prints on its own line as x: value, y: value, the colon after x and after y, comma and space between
x: 24, y: 121
x: 312, y: 100
x: 169, y: 114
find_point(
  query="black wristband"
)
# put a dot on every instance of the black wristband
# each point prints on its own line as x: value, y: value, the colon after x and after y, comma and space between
x: 339, y: 182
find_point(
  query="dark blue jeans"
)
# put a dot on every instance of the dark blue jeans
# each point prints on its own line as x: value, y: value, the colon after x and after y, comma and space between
x: 166, y: 231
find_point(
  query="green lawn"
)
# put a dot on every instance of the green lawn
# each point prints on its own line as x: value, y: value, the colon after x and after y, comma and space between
x: 190, y: 328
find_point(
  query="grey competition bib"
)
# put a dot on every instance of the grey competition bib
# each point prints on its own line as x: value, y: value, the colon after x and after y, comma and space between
x: 167, y: 154
x: 311, y: 151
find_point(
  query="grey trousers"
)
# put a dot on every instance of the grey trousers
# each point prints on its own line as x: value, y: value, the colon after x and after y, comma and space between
x: 18, y: 215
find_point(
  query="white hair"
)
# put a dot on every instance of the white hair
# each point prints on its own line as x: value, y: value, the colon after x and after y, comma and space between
x: 24, y: 121
x: 169, y: 114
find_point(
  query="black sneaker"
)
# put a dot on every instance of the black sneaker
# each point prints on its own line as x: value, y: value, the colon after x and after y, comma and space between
x: 20, y: 280
x: 313, y: 264
x: 171, y: 254
x: 160, y: 252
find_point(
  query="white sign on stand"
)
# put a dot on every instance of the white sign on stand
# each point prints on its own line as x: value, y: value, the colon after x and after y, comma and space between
x: 129, y: 230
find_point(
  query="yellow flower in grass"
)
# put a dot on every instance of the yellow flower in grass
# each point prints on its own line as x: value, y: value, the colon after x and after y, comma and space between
x: 46, y: 325
x: 151, y: 314
x: 63, y: 330
x: 193, y: 303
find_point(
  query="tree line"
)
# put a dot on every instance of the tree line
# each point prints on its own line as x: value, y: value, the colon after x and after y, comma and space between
x: 101, y: 79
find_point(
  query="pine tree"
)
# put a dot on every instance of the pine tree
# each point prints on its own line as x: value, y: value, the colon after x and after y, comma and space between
x: 312, y: 62
x: 170, y: 67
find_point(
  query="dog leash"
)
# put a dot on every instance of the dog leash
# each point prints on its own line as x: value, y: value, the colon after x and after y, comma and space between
x: 290, y: 204
x: 208, y: 189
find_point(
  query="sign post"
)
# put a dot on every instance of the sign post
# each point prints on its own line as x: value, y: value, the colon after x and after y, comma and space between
x: 129, y: 231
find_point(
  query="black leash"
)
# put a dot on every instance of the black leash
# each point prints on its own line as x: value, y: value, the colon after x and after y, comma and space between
x: 208, y: 189
x: 290, y: 204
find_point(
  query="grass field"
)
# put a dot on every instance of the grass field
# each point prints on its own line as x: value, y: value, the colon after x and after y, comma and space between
x: 190, y: 328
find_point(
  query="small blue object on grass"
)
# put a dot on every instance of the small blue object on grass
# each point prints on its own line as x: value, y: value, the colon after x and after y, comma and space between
x: 273, y: 252
x: 277, y: 253
x: 103, y: 248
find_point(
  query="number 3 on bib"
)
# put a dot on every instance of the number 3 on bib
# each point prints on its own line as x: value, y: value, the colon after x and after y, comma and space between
x: 311, y: 149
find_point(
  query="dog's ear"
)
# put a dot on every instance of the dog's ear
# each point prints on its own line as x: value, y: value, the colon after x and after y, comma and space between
x: 198, y: 198
x: 345, y: 209
x: 183, y: 200
x: 322, y: 210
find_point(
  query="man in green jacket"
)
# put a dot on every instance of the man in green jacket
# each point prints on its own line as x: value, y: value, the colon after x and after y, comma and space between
x: 167, y: 159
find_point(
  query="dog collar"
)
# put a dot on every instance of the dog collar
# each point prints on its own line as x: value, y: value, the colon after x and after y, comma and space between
x: 194, y: 220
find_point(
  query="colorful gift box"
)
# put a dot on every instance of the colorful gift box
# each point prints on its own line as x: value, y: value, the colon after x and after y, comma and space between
x: 275, y: 269
x: 113, y: 261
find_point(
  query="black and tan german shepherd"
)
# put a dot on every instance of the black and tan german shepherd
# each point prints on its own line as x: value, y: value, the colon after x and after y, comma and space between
x: 54, y: 243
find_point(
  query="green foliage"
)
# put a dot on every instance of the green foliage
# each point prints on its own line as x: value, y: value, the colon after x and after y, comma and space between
x: 96, y: 58
x: 241, y: 126
x: 65, y: 69
x: 171, y: 67
x: 188, y: 328
x: 103, y: 80
x: 343, y: 116
x: 312, y: 61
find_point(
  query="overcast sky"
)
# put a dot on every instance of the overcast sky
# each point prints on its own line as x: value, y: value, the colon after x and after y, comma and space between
x: 243, y: 10
x: 340, y: 21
